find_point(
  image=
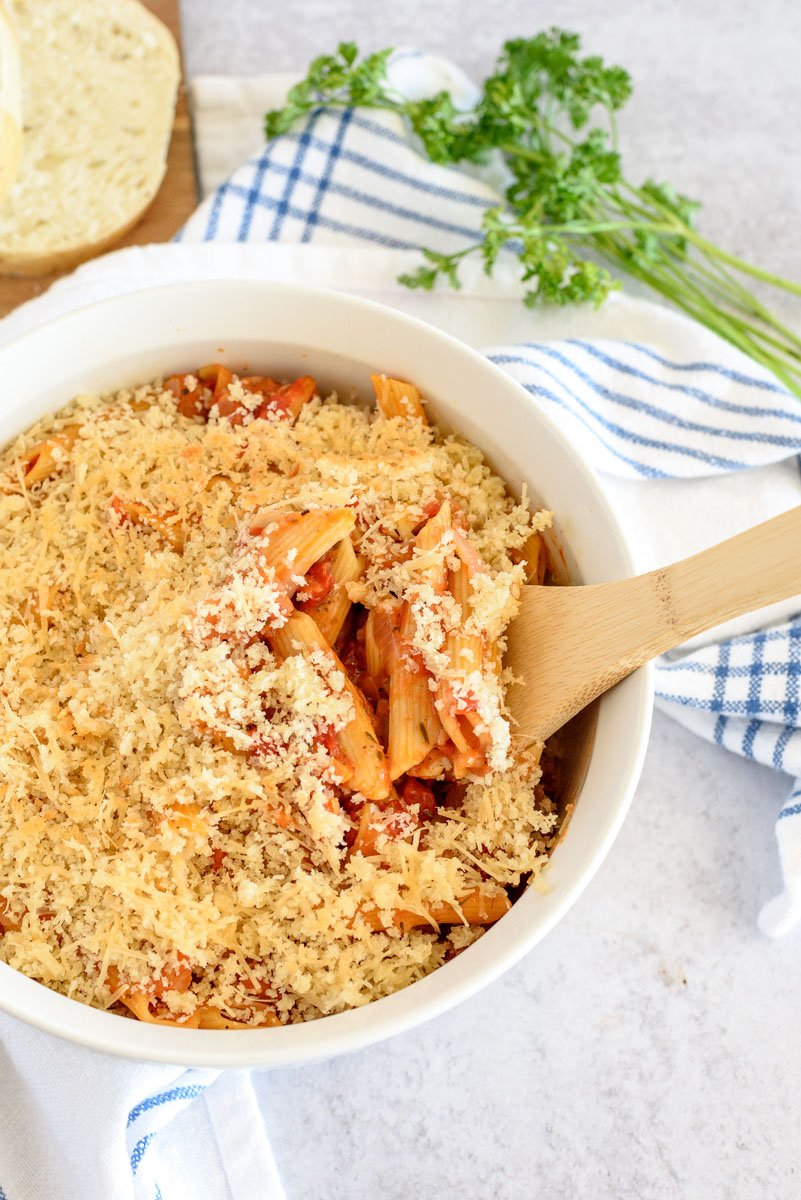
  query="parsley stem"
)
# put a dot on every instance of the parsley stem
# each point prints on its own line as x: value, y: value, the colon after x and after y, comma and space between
x: 610, y: 112
x: 726, y: 286
x: 789, y: 347
x: 680, y: 291
x: 732, y: 293
x: 740, y: 264
x: 716, y: 252
x: 568, y: 205
x: 585, y: 228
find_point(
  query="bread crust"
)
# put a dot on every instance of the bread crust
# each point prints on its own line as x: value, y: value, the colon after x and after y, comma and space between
x: 32, y: 266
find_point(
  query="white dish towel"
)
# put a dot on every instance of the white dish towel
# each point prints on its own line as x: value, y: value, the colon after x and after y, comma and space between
x: 695, y: 443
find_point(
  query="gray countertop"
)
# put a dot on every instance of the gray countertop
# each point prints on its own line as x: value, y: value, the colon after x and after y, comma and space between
x: 649, y: 1047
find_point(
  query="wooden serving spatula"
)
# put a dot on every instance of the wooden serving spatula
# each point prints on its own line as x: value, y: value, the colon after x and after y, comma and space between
x: 570, y: 644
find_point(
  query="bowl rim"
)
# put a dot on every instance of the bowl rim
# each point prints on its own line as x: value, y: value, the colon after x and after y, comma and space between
x: 295, y: 1045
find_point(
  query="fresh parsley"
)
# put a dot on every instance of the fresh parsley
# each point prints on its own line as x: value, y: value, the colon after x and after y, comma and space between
x: 569, y: 208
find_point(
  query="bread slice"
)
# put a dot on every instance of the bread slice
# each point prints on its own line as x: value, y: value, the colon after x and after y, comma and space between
x: 99, y: 80
x: 10, y: 105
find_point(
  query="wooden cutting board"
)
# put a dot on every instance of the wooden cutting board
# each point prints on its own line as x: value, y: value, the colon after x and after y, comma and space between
x: 176, y: 199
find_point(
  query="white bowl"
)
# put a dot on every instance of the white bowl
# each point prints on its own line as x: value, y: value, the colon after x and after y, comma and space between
x: 286, y: 331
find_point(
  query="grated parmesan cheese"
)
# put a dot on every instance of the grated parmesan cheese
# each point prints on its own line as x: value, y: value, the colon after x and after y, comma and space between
x: 165, y: 793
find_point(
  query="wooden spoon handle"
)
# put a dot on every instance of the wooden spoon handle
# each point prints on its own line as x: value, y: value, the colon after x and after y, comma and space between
x: 649, y: 614
x: 746, y: 572
x: 571, y: 644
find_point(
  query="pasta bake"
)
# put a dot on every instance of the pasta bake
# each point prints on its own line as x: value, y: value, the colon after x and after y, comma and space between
x: 256, y: 763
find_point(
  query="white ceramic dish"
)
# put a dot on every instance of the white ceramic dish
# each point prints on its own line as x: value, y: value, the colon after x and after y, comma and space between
x: 285, y: 331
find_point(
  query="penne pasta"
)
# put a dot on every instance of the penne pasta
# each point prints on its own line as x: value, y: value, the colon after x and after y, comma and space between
x: 192, y: 398
x: 358, y: 740
x: 45, y: 459
x: 395, y: 398
x: 291, y: 543
x: 465, y: 651
x: 467, y: 657
x: 431, y: 549
x: 218, y: 379
x: 374, y: 659
x: 133, y: 512
x: 213, y: 1018
x: 430, y: 537
x: 415, y: 728
x: 331, y: 612
x: 143, y: 998
x: 274, y: 554
x: 382, y: 821
x: 234, y: 397
x: 481, y: 906
x: 535, y: 557
x: 215, y: 390
x: 397, y: 818
x: 141, y: 1004
x: 288, y: 400
x: 436, y: 764
x: 9, y: 923
x: 468, y: 754
x: 414, y: 725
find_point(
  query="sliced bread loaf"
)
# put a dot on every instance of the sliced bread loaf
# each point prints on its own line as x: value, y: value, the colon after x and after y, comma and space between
x: 99, y: 79
x: 10, y: 105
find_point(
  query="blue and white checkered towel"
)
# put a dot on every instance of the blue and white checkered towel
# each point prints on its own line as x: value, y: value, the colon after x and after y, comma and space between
x: 695, y: 443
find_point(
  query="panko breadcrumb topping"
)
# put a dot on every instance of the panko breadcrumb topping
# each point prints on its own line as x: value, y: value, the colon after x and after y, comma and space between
x: 177, y: 831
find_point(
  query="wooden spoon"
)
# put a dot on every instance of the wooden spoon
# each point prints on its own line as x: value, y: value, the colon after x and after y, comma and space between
x: 570, y: 644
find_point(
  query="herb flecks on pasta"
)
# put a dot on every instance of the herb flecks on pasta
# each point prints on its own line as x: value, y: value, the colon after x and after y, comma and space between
x: 254, y: 755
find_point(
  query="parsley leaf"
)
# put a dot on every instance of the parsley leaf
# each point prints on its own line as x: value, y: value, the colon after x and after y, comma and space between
x: 551, y: 114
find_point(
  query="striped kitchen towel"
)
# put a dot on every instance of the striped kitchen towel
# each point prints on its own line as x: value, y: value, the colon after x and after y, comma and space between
x: 78, y: 1125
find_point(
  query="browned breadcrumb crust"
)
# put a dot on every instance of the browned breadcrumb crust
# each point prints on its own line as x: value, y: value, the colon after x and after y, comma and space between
x: 131, y: 844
